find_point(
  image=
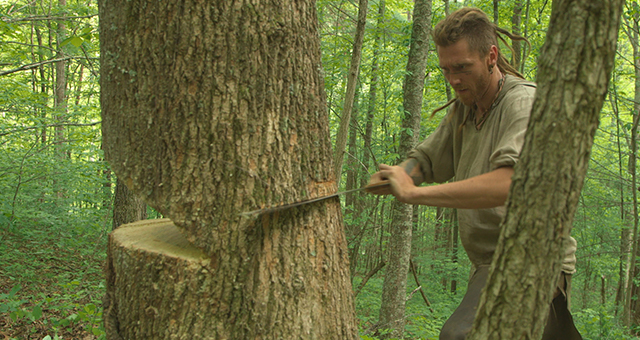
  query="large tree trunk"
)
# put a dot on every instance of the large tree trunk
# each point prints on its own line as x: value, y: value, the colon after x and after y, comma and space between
x: 212, y: 108
x: 574, y: 70
x: 395, y: 280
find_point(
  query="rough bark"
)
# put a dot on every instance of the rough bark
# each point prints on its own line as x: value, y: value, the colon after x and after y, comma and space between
x: 212, y: 108
x: 352, y: 78
x: 127, y: 207
x: 395, y: 280
x: 574, y: 69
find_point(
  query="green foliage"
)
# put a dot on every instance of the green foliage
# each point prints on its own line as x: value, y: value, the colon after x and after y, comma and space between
x: 56, y: 282
x: 55, y: 188
x: 598, y: 324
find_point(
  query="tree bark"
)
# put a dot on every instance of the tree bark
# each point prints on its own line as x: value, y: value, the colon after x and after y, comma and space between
x: 212, y: 108
x: 395, y: 280
x: 574, y: 70
x: 127, y: 207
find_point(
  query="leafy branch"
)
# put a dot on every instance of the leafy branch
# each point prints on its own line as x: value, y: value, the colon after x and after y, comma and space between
x: 38, y: 64
x: 47, y: 126
x: 47, y: 18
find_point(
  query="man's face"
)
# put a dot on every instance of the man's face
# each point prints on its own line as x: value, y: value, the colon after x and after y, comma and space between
x: 465, y: 70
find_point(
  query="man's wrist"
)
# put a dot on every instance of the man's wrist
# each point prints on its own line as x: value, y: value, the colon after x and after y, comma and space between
x: 412, y: 168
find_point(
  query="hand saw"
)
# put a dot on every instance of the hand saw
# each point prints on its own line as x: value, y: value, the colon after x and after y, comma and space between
x: 311, y: 200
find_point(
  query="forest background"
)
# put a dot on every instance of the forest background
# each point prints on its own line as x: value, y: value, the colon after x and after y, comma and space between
x: 57, y: 192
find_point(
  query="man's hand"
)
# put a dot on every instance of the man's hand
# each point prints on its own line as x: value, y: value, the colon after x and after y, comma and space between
x: 402, y: 186
x: 410, y: 166
x: 380, y: 190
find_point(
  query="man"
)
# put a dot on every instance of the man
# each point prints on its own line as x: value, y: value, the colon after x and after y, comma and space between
x: 477, y: 143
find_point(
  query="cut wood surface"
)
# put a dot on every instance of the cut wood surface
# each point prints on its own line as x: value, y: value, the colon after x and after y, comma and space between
x: 161, y: 283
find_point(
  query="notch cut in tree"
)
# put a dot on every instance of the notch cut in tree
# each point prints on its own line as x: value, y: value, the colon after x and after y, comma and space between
x: 574, y: 69
x: 212, y: 108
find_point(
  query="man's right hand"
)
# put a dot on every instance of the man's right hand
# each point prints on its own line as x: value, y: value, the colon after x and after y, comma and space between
x: 380, y: 190
x: 411, y: 166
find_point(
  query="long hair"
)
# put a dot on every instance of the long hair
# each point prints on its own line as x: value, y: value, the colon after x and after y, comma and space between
x: 474, y: 25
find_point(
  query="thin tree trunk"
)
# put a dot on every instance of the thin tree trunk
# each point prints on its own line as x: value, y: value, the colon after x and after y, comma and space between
x: 632, y: 306
x: 361, y: 202
x: 395, y: 281
x: 526, y: 35
x: 516, y: 22
x: 352, y: 160
x: 60, y: 97
x: 626, y: 236
x: 349, y: 98
x: 373, y: 89
x: 574, y: 70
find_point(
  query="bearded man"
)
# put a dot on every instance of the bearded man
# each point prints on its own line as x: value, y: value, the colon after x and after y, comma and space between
x: 477, y: 144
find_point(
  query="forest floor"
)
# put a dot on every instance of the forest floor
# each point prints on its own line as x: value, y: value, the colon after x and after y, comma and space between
x: 51, y: 283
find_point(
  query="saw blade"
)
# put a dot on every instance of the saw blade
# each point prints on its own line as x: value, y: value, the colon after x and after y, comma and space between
x: 310, y: 200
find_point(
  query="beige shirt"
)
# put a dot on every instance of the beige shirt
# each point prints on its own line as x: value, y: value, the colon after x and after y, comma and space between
x: 458, y: 150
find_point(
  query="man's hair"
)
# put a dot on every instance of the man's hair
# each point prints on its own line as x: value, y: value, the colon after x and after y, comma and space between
x: 474, y: 25
x: 480, y: 33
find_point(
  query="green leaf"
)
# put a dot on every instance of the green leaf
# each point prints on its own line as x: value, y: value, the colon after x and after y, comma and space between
x: 90, y: 308
x: 14, y: 290
x: 76, y: 41
x: 66, y: 41
x: 48, y: 337
x: 36, y: 312
x: 86, y: 30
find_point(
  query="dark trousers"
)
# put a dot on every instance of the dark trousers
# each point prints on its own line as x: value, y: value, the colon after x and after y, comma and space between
x: 559, y: 324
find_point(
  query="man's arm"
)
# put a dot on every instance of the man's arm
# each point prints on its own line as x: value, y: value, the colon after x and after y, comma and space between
x: 480, y: 192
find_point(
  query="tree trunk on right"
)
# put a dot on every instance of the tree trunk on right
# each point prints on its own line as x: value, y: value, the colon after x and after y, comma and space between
x: 574, y: 69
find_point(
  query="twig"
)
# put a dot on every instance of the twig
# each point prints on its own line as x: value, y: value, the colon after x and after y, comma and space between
x: 413, y: 292
x: 366, y: 278
x: 415, y: 276
x: 45, y: 17
x: 34, y: 65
